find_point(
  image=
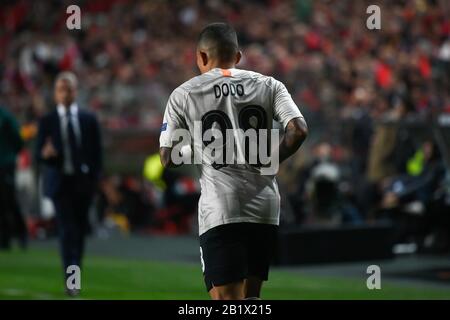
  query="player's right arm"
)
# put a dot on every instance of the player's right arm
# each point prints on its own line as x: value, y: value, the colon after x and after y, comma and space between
x: 173, y: 120
x: 287, y: 113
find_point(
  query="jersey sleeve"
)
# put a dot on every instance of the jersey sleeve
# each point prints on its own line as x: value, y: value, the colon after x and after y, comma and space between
x: 174, y: 118
x: 284, y: 109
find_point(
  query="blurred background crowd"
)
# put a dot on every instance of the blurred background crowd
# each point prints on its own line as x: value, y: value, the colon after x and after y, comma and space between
x: 375, y: 102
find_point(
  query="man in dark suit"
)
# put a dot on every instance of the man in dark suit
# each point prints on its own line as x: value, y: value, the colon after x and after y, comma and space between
x: 69, y: 145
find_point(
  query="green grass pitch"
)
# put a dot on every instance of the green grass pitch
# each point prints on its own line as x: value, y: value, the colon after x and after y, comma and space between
x: 36, y: 274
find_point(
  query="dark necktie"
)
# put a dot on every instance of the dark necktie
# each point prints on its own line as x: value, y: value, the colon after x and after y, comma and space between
x: 73, y: 144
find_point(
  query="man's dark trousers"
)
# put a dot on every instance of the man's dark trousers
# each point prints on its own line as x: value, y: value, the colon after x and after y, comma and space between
x: 72, y: 203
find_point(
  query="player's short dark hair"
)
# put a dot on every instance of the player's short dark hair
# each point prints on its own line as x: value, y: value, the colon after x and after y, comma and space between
x: 220, y: 40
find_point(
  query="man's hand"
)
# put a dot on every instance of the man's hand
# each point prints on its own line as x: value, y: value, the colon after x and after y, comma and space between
x: 48, y: 150
x: 166, y: 160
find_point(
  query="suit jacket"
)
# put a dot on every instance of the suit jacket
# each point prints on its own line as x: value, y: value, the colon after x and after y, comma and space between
x: 90, y: 150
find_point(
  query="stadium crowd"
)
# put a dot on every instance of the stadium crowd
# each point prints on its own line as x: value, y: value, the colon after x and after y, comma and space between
x: 130, y: 55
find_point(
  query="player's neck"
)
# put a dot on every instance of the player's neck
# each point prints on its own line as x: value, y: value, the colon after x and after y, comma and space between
x: 222, y: 65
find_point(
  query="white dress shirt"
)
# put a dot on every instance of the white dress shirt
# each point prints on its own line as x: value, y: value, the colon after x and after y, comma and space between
x: 64, y: 117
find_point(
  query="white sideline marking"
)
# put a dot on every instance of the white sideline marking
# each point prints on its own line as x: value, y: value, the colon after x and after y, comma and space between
x: 19, y: 292
x: 13, y: 292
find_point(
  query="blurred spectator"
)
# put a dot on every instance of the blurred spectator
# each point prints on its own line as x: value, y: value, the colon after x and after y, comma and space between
x: 178, y: 196
x: 410, y: 196
x: 329, y: 202
x: 11, y: 220
x: 331, y: 63
x: 125, y: 197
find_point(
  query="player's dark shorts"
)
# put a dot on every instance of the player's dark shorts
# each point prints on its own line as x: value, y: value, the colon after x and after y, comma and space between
x: 235, y: 251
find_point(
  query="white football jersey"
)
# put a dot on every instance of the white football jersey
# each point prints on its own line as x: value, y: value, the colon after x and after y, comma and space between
x: 234, y: 99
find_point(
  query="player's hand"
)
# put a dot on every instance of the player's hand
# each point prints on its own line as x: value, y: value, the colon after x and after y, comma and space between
x: 48, y: 150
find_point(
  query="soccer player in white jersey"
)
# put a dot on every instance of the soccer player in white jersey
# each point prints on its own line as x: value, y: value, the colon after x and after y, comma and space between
x: 239, y: 208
